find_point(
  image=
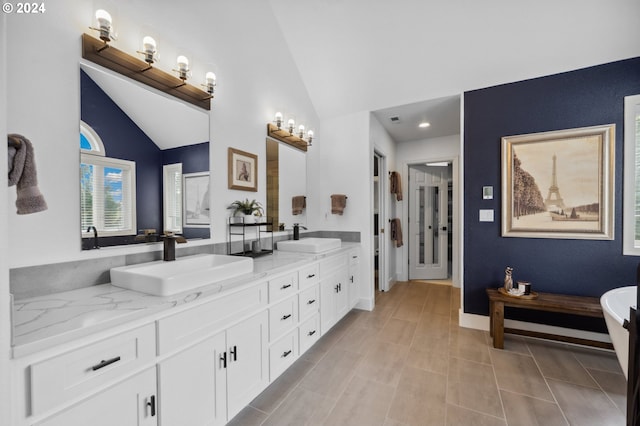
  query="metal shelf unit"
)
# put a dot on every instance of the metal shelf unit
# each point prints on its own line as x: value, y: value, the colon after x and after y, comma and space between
x: 239, y: 228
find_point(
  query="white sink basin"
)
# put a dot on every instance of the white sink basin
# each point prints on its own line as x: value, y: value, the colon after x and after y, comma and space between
x: 310, y: 245
x: 162, y: 278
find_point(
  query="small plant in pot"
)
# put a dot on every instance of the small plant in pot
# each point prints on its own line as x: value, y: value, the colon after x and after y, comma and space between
x: 251, y: 210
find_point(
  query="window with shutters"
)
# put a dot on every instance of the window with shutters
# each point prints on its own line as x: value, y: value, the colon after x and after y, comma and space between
x: 172, y: 205
x: 631, y: 216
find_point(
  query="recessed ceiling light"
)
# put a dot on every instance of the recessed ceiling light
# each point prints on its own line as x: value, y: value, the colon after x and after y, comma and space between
x: 424, y: 125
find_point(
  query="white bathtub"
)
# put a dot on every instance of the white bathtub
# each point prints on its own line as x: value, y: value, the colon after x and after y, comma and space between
x: 616, y: 304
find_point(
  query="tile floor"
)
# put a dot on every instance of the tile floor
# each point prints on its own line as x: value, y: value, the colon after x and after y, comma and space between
x: 408, y: 363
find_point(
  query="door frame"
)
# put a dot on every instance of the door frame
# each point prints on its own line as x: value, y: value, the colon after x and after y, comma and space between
x: 383, y: 202
x: 456, y: 256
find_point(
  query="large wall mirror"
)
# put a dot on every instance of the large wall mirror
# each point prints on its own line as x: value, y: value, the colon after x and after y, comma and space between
x: 138, y: 149
x: 286, y: 178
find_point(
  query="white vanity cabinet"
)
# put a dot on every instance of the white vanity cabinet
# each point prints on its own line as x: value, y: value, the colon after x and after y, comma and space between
x: 354, y: 277
x: 129, y: 403
x: 334, y: 291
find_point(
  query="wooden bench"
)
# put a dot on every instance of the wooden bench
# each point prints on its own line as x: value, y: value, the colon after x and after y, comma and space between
x: 576, y: 305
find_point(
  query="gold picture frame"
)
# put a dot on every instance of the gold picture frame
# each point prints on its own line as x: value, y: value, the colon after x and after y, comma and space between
x: 559, y: 184
x: 243, y: 170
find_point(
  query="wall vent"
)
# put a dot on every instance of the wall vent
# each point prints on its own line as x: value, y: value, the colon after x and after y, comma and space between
x: 394, y: 119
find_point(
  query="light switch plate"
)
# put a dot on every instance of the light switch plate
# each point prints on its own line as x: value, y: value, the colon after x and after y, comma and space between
x: 486, y: 215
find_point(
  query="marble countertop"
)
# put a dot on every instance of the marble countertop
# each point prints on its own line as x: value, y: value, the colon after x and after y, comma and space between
x: 45, y: 321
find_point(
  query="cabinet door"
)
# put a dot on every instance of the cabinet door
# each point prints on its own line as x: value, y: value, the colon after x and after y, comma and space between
x: 328, y: 291
x: 342, y: 296
x: 129, y: 403
x: 193, y: 385
x: 248, y: 364
x: 353, y: 279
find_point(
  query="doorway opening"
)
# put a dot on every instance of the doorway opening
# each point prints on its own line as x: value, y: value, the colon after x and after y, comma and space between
x: 431, y: 221
x: 379, y: 214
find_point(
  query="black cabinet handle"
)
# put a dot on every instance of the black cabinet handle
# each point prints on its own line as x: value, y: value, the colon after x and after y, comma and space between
x: 152, y: 404
x: 337, y: 288
x: 223, y: 360
x: 311, y: 302
x: 311, y: 275
x: 233, y: 352
x: 285, y: 317
x: 311, y: 333
x: 104, y: 363
x: 351, y: 278
x: 286, y: 354
x: 284, y: 287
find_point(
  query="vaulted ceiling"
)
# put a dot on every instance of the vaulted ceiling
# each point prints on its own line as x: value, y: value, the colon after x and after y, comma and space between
x: 367, y: 55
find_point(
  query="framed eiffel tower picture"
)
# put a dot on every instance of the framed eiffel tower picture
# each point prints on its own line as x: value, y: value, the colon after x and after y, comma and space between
x: 559, y: 184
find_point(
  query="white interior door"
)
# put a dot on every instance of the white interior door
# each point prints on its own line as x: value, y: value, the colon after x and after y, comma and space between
x: 428, y: 222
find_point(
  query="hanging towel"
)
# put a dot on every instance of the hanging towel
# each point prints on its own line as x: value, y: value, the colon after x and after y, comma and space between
x: 298, y: 203
x: 22, y: 172
x: 396, y: 232
x: 338, y: 203
x: 395, y: 185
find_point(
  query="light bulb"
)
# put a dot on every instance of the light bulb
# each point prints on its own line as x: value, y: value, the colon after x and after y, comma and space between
x: 278, y: 119
x: 292, y: 124
x: 310, y: 136
x: 210, y: 78
x: 301, y: 131
x: 183, y: 67
x: 149, y: 49
x: 104, y: 24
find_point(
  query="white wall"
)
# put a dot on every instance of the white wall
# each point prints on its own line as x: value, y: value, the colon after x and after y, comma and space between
x: 341, y: 162
x: 444, y: 148
x: 240, y: 42
x: 5, y: 323
x: 384, y: 145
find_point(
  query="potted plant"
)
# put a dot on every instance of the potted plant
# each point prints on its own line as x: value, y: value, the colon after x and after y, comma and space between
x: 249, y: 209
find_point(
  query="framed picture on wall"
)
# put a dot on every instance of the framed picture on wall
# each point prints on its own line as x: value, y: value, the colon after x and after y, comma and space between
x: 559, y: 184
x: 195, y: 190
x: 243, y: 170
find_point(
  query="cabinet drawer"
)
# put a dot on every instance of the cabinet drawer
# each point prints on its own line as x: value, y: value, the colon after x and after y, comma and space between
x: 282, y: 317
x: 354, y: 257
x: 333, y: 263
x: 283, y: 286
x: 188, y: 326
x: 309, y: 332
x: 282, y: 354
x: 84, y: 370
x: 309, y: 301
x: 309, y: 275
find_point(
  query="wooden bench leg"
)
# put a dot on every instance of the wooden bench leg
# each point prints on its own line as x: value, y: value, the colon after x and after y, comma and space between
x: 491, y: 318
x: 497, y: 324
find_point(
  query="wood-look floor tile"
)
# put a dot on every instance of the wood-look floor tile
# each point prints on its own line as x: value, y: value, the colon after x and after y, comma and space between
x: 363, y: 402
x: 433, y: 361
x: 459, y: 416
x: 586, y: 406
x: 614, y: 385
x: 469, y: 344
x: 249, y: 416
x: 408, y: 312
x: 383, y: 363
x: 598, y: 359
x: 376, y: 318
x: 430, y: 322
x: 524, y: 410
x: 472, y: 385
x: 557, y: 361
x: 277, y: 391
x: 513, y: 343
x: 332, y: 373
x: 391, y: 422
x: 397, y: 331
x: 519, y: 373
x: 302, y: 407
x: 358, y: 339
x: 420, y: 398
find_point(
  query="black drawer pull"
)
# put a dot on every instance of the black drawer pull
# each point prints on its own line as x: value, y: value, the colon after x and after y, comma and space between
x: 311, y: 333
x: 152, y: 405
x: 104, y: 363
x: 285, y: 317
x: 286, y: 354
x: 284, y: 287
x: 311, y: 302
x: 311, y: 276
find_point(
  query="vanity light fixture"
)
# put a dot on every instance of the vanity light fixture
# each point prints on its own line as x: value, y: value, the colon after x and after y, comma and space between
x: 210, y: 83
x: 301, y: 131
x: 104, y: 25
x: 278, y: 119
x: 309, y: 137
x: 149, y: 49
x: 183, y: 67
x: 291, y: 125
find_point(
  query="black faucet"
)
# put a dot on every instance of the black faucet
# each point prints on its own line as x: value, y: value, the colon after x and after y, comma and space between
x: 169, y: 251
x: 296, y: 230
x: 95, y: 237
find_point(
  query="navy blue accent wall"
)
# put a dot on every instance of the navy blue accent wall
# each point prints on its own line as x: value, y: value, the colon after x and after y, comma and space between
x: 585, y: 97
x: 123, y: 139
x: 194, y: 159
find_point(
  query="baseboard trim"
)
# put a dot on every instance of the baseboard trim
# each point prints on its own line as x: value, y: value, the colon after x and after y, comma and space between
x: 365, y: 304
x: 481, y: 322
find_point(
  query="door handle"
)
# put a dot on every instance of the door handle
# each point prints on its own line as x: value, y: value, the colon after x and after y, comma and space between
x: 223, y: 360
x: 444, y: 228
x: 233, y: 352
x: 152, y: 405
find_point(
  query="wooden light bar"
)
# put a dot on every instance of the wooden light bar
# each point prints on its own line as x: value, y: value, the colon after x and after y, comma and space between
x: 103, y: 54
x: 283, y: 135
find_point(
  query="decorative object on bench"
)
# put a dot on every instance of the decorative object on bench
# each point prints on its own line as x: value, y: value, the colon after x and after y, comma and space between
x: 508, y: 279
